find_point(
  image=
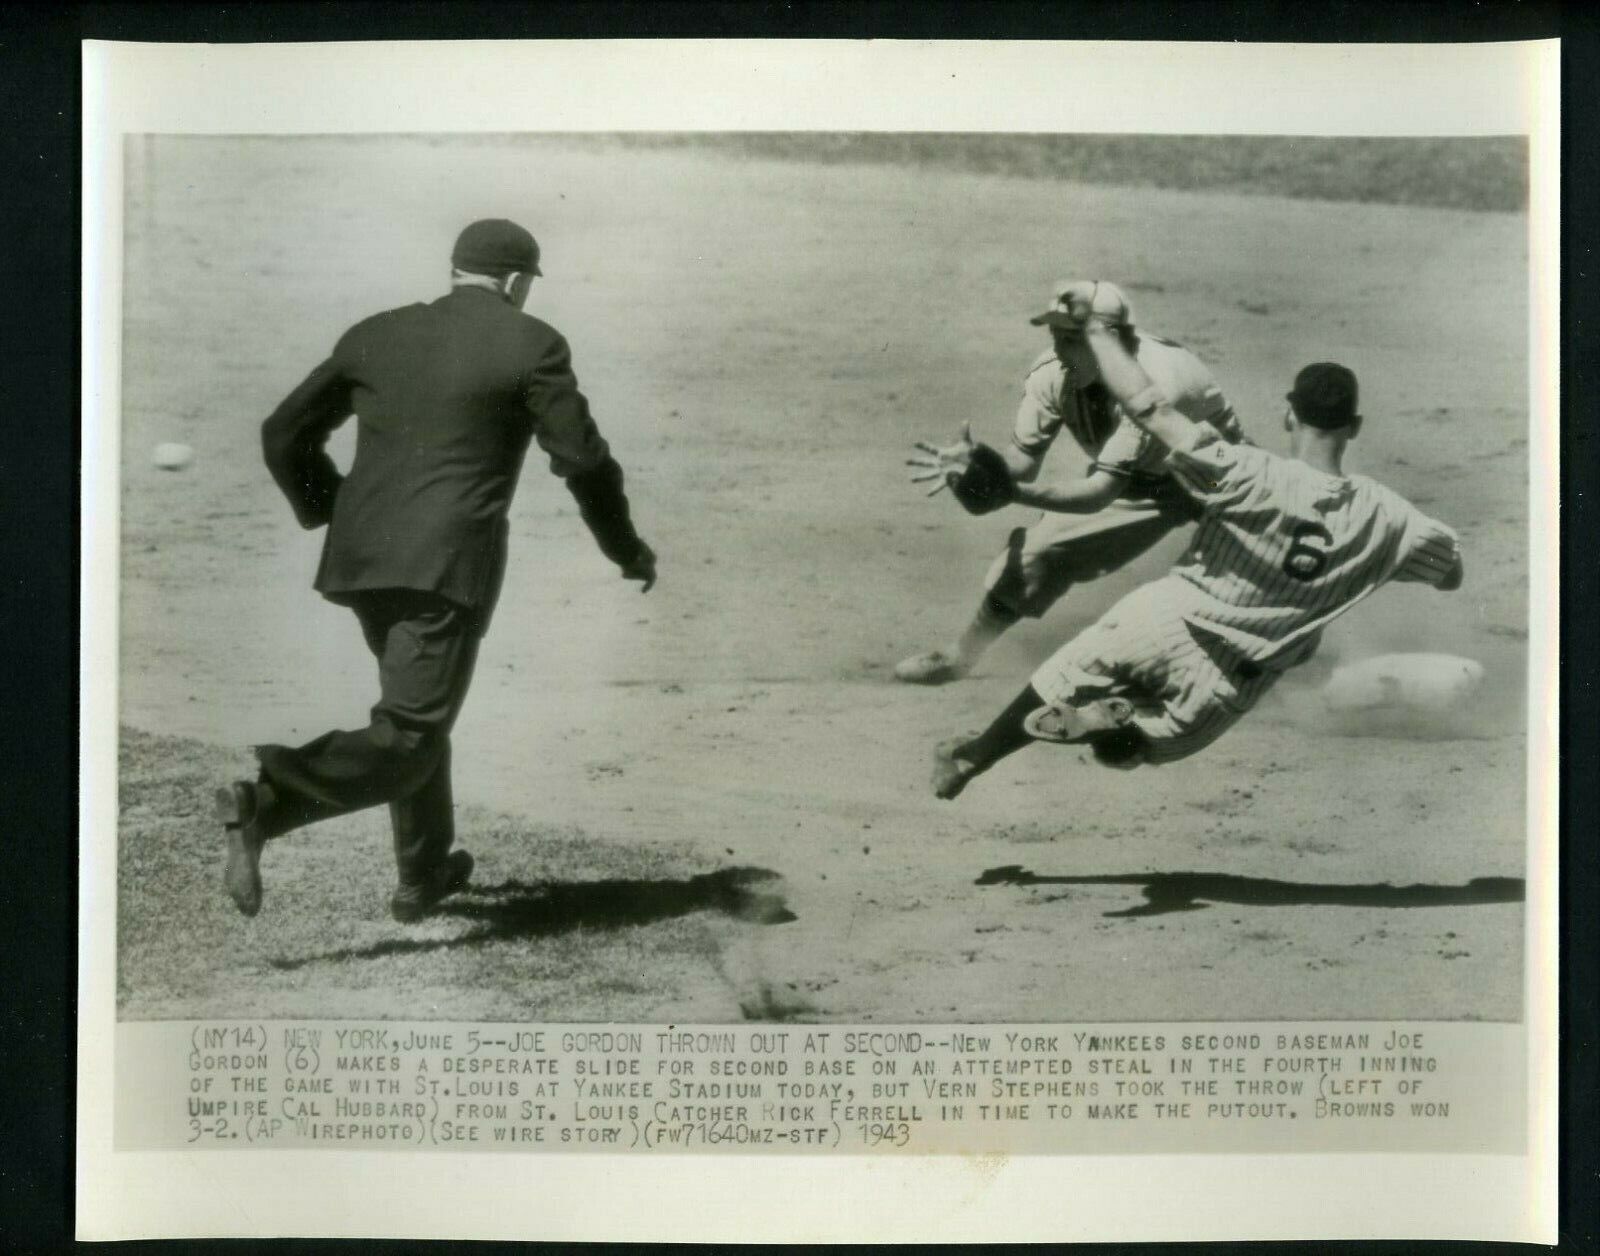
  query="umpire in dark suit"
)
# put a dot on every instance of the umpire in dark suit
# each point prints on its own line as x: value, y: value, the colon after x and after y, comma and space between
x: 447, y: 397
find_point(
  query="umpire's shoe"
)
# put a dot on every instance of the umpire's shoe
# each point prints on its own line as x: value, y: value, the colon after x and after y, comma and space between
x: 411, y: 903
x: 238, y: 807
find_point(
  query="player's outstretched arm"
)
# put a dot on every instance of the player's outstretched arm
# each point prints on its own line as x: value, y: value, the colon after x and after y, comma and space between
x: 1024, y: 466
x: 1130, y: 384
x: 1084, y: 496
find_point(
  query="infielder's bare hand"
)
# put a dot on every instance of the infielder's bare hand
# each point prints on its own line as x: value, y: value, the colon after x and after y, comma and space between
x: 944, y: 466
x: 641, y: 567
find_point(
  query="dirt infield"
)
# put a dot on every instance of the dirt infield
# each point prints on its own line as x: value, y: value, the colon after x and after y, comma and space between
x: 761, y: 341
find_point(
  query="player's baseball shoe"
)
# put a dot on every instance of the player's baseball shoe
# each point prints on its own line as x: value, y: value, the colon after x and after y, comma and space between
x: 236, y: 807
x: 936, y: 667
x: 1063, y: 722
x: 950, y: 774
x: 410, y: 903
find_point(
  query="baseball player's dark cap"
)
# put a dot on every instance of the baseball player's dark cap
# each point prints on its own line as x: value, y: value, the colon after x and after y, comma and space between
x: 496, y: 246
x: 1324, y: 395
x: 1064, y: 290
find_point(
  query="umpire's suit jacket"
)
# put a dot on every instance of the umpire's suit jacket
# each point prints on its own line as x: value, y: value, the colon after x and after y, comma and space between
x: 447, y: 396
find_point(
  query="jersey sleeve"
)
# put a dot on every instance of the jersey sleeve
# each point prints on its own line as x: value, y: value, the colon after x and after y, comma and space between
x: 1227, y: 423
x: 1212, y: 470
x: 1194, y: 393
x: 1039, y: 416
x: 1208, y: 405
x: 1431, y: 550
x: 1128, y: 451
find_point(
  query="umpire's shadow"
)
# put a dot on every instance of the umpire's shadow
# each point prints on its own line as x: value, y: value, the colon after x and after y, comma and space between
x: 1191, y: 891
x: 519, y: 909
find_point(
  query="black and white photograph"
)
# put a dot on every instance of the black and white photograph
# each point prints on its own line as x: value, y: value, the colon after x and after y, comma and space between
x: 823, y: 576
x: 572, y: 492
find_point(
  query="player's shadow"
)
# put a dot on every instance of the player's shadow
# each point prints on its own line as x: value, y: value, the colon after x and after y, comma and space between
x: 1191, y: 891
x: 518, y: 909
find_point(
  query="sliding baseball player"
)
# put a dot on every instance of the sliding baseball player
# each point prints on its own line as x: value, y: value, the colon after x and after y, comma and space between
x: 1283, y: 547
x: 1091, y: 525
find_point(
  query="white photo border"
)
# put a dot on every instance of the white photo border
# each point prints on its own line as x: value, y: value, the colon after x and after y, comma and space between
x: 458, y: 87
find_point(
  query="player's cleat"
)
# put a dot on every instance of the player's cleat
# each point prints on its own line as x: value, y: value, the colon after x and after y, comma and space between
x: 1070, y: 723
x: 410, y: 903
x: 950, y: 774
x: 936, y: 667
x: 236, y: 807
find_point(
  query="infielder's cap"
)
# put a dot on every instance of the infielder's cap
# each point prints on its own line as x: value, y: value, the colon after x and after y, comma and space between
x: 1324, y: 395
x: 495, y: 246
x: 1105, y: 296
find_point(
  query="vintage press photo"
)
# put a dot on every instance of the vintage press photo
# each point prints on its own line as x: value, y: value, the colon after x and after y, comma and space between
x: 693, y: 721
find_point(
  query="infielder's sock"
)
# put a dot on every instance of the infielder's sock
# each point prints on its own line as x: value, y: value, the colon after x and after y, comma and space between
x: 989, y: 623
x: 1006, y: 735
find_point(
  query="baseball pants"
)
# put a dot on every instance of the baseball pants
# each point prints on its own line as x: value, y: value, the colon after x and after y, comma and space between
x: 1042, y: 561
x: 1187, y: 690
x: 426, y: 647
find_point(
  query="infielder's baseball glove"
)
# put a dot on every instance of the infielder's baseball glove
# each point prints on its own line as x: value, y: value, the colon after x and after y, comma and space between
x: 986, y: 483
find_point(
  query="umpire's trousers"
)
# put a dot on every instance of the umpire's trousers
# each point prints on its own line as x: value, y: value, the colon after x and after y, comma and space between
x: 426, y: 647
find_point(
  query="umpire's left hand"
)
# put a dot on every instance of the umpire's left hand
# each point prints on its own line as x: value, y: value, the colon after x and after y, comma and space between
x: 641, y: 567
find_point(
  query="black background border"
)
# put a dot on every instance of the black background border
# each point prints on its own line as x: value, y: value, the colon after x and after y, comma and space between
x: 40, y: 121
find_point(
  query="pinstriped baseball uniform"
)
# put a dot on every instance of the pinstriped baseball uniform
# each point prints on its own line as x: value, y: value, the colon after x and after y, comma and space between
x: 1282, y: 549
x: 1059, y: 550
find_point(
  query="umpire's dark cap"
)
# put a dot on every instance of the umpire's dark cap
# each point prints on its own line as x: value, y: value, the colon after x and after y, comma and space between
x: 496, y: 246
x: 1324, y: 395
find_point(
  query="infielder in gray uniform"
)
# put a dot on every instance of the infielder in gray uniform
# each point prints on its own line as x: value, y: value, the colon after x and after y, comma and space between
x: 1093, y: 525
